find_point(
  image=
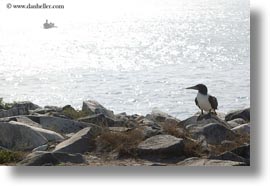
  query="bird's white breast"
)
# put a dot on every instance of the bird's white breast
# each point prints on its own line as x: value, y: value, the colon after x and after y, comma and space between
x: 203, y: 101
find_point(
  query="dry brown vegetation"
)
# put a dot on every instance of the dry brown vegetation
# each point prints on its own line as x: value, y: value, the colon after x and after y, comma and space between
x: 174, y: 130
x: 124, y: 143
x: 239, y: 141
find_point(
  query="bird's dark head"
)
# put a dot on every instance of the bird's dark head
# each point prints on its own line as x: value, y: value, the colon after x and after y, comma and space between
x: 200, y: 87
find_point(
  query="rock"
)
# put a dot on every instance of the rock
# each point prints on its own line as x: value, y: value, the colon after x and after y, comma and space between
x: 209, y: 162
x: 40, y: 158
x: 229, y: 156
x: 196, y: 121
x: 243, y: 130
x: 162, y: 146
x: 48, y: 134
x: 214, y: 133
x: 60, y: 125
x: 239, y: 121
x: 159, y: 116
x: 243, y: 151
x: 78, y: 143
x: 226, y: 144
x: 93, y: 107
x: 20, y: 108
x: 26, y: 120
x: 233, y: 124
x: 21, y: 119
x: 244, y: 114
x: 149, y: 131
x: 18, y: 136
x: 47, y: 109
x: 41, y: 148
x: 102, y: 120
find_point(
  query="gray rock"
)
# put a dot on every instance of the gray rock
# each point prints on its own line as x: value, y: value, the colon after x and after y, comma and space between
x: 160, y: 116
x: 229, y: 156
x: 196, y: 121
x: 161, y: 145
x: 41, y: 158
x: 20, y: 108
x: 238, y: 121
x: 243, y: 130
x: 47, y: 109
x: 79, y: 143
x: 214, y: 133
x: 244, y: 114
x: 93, y: 107
x: 60, y: 125
x: 102, y: 120
x: 41, y: 148
x: 226, y: 144
x: 48, y: 134
x: 233, y: 124
x: 149, y: 131
x: 21, y: 119
x: 209, y: 162
x: 26, y: 120
x: 243, y: 151
x: 17, y: 136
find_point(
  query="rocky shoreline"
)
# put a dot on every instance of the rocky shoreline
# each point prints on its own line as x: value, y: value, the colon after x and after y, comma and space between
x: 31, y: 135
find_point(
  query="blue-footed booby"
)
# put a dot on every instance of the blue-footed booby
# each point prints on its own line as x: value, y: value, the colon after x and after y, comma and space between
x: 205, y: 101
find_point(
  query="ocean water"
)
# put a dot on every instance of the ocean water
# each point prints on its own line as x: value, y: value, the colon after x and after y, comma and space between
x: 129, y: 58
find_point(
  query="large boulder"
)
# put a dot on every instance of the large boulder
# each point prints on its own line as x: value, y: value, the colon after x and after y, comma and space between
x: 244, y: 114
x: 20, y: 136
x: 80, y: 142
x: 41, y: 158
x: 161, y: 145
x: 214, y: 133
x: 60, y: 125
x: 209, y: 162
x: 17, y: 136
x: 19, y: 108
x: 196, y: 121
x: 93, y: 107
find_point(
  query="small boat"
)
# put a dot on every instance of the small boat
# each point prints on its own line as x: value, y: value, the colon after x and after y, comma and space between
x: 48, y: 25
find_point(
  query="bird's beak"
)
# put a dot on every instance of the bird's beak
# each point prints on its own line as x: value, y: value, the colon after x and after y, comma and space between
x: 194, y: 87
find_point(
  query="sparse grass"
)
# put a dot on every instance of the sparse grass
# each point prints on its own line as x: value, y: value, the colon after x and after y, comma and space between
x: 193, y: 148
x: 219, y: 149
x: 10, y: 156
x: 122, y: 142
x: 73, y: 114
x: 174, y: 130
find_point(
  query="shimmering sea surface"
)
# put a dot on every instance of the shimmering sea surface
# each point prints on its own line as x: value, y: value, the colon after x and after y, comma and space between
x: 131, y: 59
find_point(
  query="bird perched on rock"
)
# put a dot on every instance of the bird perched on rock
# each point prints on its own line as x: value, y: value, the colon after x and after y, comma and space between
x: 205, y: 101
